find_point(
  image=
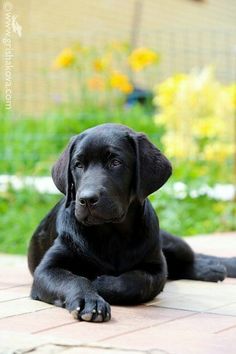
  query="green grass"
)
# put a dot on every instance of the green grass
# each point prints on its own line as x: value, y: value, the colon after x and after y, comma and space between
x: 21, y: 212
x: 30, y: 146
x: 202, y: 215
x: 35, y: 143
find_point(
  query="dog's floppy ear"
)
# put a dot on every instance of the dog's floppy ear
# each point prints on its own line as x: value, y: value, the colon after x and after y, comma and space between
x: 153, y: 168
x: 61, y: 174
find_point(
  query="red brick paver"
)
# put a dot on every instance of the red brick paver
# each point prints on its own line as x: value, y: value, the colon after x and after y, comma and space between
x: 188, y: 317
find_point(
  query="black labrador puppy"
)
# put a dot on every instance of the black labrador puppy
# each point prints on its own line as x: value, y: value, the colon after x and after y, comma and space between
x: 101, y: 243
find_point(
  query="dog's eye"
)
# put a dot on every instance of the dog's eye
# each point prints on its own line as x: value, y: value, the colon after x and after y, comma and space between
x: 79, y: 164
x: 114, y: 163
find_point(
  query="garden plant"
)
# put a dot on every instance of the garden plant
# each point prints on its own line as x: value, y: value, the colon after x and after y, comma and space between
x: 191, y: 119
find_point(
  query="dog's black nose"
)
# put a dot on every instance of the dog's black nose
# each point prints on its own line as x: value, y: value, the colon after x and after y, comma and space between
x: 88, y: 198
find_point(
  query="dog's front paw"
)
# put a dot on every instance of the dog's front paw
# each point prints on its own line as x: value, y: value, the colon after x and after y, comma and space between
x: 90, y: 308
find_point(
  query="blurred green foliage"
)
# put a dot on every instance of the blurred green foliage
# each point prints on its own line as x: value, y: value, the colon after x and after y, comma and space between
x: 29, y: 146
x: 21, y: 212
x: 36, y: 142
x: 198, y: 114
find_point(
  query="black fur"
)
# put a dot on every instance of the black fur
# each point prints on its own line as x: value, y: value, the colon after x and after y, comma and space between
x: 101, y: 244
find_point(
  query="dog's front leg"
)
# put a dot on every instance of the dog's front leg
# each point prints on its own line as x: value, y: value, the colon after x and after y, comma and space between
x: 133, y: 287
x: 55, y: 284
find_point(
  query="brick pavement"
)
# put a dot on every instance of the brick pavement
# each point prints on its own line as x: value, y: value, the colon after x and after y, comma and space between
x: 189, y: 317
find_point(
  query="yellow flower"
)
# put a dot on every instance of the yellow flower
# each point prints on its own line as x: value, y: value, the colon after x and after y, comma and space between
x: 218, y: 151
x: 120, y: 82
x: 142, y: 57
x: 96, y: 83
x: 197, y: 109
x: 65, y: 59
x: 231, y: 90
x: 208, y: 126
x: 167, y: 90
x: 178, y: 146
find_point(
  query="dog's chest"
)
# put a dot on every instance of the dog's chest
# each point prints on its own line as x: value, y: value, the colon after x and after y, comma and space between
x: 112, y: 252
x: 118, y: 254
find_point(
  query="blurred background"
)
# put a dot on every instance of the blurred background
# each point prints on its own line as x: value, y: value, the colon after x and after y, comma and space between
x: 167, y: 68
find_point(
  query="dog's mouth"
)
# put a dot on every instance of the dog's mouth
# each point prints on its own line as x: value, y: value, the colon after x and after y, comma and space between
x: 90, y: 220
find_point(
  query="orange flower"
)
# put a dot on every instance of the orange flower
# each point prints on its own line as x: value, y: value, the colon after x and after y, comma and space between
x: 96, y: 83
x: 98, y: 65
x: 101, y: 64
x: 120, y: 82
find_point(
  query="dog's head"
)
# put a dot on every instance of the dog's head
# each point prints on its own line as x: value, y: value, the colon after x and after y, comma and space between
x: 107, y: 167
